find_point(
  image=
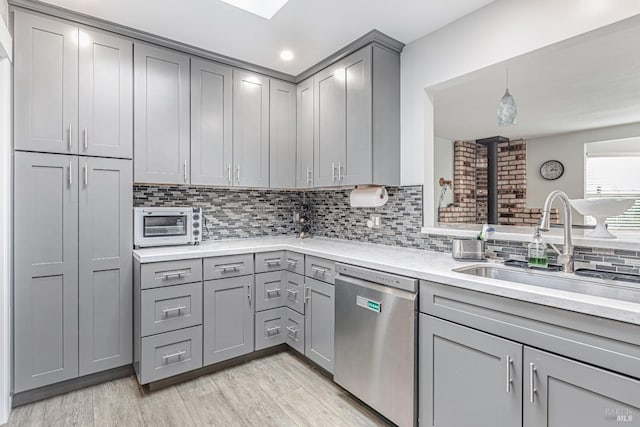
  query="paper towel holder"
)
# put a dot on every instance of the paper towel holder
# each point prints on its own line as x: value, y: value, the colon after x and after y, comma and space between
x: 378, y: 199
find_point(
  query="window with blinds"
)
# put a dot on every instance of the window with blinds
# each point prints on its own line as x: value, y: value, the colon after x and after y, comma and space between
x: 615, y: 176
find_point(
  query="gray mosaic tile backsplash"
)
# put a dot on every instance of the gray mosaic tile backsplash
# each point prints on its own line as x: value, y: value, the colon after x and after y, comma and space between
x: 248, y: 213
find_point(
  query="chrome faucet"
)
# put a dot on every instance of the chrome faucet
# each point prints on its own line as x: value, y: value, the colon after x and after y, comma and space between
x: 566, y: 256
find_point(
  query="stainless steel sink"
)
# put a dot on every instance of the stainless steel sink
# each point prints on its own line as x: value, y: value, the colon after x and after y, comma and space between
x: 580, y: 285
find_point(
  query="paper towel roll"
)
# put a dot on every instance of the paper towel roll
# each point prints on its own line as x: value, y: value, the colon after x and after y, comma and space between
x: 369, y: 197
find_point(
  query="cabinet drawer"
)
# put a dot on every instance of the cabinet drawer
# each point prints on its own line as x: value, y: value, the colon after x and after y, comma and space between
x: 294, y: 328
x: 228, y: 266
x: 270, y: 328
x: 270, y: 261
x: 294, y: 291
x: 294, y: 262
x: 170, y: 308
x: 169, y: 354
x: 320, y: 269
x: 157, y: 274
x: 270, y: 290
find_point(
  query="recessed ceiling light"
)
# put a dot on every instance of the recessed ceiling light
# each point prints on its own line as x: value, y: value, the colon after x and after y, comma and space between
x: 286, y: 55
x: 263, y: 8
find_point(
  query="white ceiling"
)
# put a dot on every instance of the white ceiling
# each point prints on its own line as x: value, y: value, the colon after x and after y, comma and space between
x: 588, y: 82
x: 312, y: 29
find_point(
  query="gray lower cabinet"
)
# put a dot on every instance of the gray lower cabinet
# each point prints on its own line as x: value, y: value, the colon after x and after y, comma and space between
x: 161, y: 110
x: 270, y: 290
x: 228, y: 318
x: 270, y: 261
x: 46, y: 269
x: 211, y: 129
x: 319, y: 323
x: 250, y: 129
x: 72, y: 257
x: 105, y: 268
x: 45, y: 85
x: 171, y: 353
x: 468, y: 377
x: 282, y: 134
x: 270, y: 328
x: 294, y: 262
x: 563, y: 392
x: 294, y: 330
x: 305, y: 128
x: 170, y: 308
x: 293, y: 291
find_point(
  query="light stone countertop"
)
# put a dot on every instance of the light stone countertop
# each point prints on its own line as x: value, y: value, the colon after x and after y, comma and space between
x: 421, y: 264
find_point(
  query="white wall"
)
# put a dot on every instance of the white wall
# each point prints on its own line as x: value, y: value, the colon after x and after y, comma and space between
x: 497, y: 32
x: 5, y: 215
x: 569, y: 149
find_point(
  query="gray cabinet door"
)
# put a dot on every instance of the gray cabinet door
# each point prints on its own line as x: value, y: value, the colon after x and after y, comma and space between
x: 319, y: 322
x: 357, y: 167
x: 161, y: 109
x: 211, y: 132
x: 105, y: 95
x: 282, y: 134
x: 330, y: 126
x: 46, y: 84
x: 304, y: 142
x: 250, y: 129
x: 46, y: 269
x: 562, y: 392
x: 228, y: 318
x: 468, y: 377
x: 106, y: 270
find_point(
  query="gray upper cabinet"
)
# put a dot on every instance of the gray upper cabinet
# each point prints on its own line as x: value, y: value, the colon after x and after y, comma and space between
x: 106, y: 95
x: 161, y: 111
x: 46, y: 269
x: 282, y: 134
x: 250, y: 129
x: 319, y: 323
x: 105, y: 291
x: 304, y: 141
x: 211, y: 117
x: 228, y: 318
x: 45, y: 85
x: 468, y: 377
x: 329, y: 126
x: 562, y: 392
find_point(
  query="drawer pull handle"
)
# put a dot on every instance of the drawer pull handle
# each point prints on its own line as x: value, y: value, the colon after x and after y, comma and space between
x: 275, y: 329
x: 272, y: 261
x: 292, y: 295
x: 273, y: 291
x: 532, y: 382
x: 319, y: 270
x: 173, y: 275
x: 178, y: 355
x: 293, y: 332
x: 179, y: 308
x: 230, y: 267
x: 509, y: 378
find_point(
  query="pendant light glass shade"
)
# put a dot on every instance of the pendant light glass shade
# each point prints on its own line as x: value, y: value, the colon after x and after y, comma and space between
x: 507, y: 110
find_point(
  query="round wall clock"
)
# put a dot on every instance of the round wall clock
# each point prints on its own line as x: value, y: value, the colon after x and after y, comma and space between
x: 551, y: 170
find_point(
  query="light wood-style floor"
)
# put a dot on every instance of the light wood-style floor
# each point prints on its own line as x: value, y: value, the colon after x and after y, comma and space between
x: 277, y: 390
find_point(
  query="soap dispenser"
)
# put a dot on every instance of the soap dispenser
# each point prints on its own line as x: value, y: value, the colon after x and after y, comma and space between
x: 537, y: 253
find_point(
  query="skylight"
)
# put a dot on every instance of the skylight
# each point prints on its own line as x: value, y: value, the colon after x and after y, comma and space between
x: 263, y: 8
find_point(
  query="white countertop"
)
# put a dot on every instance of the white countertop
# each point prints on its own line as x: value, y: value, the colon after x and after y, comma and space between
x: 421, y: 264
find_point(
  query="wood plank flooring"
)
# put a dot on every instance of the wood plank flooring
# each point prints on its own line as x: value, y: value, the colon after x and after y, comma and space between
x: 277, y: 390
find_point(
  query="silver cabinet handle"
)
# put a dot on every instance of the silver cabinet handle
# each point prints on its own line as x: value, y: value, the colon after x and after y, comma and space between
x: 249, y: 293
x: 272, y: 329
x: 319, y: 270
x: 309, y: 176
x: 333, y: 172
x: 509, y: 378
x: 185, y: 171
x: 307, y: 295
x: 86, y: 174
x: 273, y: 291
x: 179, y: 308
x: 238, y: 174
x: 340, y: 166
x: 230, y: 267
x: 272, y: 261
x: 178, y: 355
x: 86, y: 138
x: 292, y: 332
x: 291, y: 294
x: 532, y: 382
x: 70, y: 135
x: 229, y: 174
x: 173, y: 274
x: 292, y: 262
x: 70, y: 173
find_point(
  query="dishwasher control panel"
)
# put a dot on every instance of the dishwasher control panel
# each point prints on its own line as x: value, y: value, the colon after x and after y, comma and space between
x: 382, y: 278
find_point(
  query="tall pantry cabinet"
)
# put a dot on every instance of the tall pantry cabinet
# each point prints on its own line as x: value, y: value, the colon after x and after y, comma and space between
x: 73, y: 175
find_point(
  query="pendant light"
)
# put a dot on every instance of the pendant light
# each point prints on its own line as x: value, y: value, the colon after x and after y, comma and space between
x: 507, y: 110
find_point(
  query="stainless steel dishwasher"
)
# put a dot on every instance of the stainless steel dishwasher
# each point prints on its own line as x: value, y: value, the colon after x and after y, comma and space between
x: 375, y: 340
